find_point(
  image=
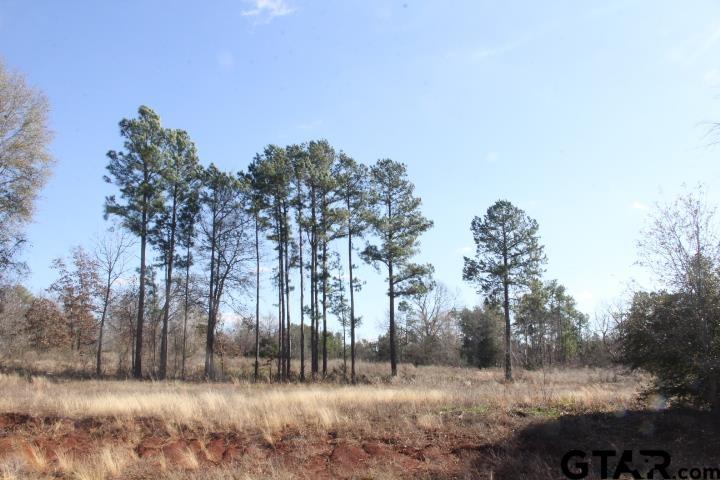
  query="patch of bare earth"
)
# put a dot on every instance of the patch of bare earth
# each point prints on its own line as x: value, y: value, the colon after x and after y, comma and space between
x: 436, y: 423
x: 467, y: 446
x: 145, y: 448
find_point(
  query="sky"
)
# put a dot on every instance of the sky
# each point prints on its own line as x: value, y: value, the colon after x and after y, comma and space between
x: 584, y: 114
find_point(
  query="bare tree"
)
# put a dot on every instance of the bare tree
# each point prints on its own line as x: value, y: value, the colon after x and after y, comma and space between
x: 673, y: 333
x: 226, y: 228
x: 431, y: 324
x: 46, y: 325
x: 432, y: 311
x: 75, y: 289
x: 15, y: 300
x: 24, y: 161
x: 678, y: 238
x: 121, y: 320
x: 110, y: 256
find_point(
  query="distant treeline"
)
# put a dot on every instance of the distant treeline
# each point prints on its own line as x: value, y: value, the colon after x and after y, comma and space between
x: 298, y: 218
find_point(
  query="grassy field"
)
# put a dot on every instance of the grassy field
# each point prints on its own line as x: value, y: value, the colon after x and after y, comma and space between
x: 430, y: 422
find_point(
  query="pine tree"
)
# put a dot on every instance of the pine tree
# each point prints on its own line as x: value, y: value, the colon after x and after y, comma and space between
x: 339, y: 305
x: 272, y: 172
x: 508, y: 256
x: 481, y: 334
x: 180, y: 173
x: 137, y: 172
x: 397, y: 222
x: 326, y: 218
x: 299, y: 160
x: 226, y: 231
x: 256, y: 206
x: 353, y: 189
x: 189, y: 215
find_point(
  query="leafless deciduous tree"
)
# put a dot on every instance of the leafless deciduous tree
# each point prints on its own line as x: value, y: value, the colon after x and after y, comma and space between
x: 75, y: 289
x: 110, y: 257
x: 46, y: 326
x: 674, y: 332
x: 225, y: 231
x: 24, y: 161
x: 679, y: 235
x: 15, y: 300
x: 431, y: 325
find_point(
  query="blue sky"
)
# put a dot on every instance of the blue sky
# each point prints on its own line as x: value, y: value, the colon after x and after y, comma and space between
x: 582, y: 113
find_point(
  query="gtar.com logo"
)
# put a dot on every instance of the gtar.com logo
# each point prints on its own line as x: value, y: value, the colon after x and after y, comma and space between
x: 575, y: 464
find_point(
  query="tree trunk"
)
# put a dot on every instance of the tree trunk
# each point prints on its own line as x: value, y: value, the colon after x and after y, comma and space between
x: 324, y: 306
x: 281, y: 298
x: 132, y: 346
x: 344, y: 350
x: 313, y: 313
x: 287, y: 294
x: 391, y: 293
x: 185, y: 311
x: 506, y: 308
x: 352, y: 301
x: 281, y: 313
x: 106, y: 300
x: 257, y: 297
x: 210, y: 337
x: 302, y: 291
x: 137, y: 367
x: 313, y: 289
x: 170, y: 258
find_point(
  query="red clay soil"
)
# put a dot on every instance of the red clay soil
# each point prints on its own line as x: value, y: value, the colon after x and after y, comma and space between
x: 466, y: 446
x: 329, y: 455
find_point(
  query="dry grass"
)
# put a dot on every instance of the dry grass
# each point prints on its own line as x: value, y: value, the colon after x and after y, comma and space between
x: 108, y: 463
x: 436, y: 401
x: 272, y: 407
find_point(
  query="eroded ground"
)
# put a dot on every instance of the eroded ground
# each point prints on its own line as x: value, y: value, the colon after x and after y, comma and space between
x: 470, y: 425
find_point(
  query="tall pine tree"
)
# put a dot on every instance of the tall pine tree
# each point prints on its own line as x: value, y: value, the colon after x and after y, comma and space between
x: 508, y: 256
x: 226, y: 241
x: 137, y: 172
x: 353, y: 190
x: 397, y: 222
x: 180, y: 173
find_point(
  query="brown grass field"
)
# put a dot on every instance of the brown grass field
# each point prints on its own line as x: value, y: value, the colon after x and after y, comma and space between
x: 430, y: 422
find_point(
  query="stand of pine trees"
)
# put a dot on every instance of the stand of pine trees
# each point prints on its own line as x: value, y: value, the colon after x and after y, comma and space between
x: 298, y: 201
x: 300, y: 215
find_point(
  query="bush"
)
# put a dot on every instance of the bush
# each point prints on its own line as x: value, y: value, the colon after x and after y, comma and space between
x: 481, y: 336
x: 675, y: 337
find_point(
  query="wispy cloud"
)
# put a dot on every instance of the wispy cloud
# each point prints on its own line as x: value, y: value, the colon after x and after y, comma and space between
x: 638, y: 205
x: 492, y: 157
x: 529, y: 37
x: 466, y: 250
x: 709, y: 42
x: 712, y: 78
x: 482, y: 53
x: 268, y: 9
x: 310, y: 125
x: 697, y: 46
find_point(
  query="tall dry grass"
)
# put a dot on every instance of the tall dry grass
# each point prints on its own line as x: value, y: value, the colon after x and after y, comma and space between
x: 244, y: 405
x: 419, y: 400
